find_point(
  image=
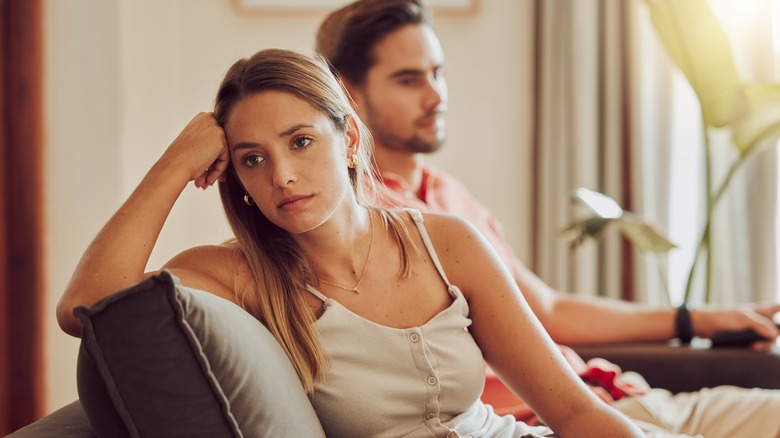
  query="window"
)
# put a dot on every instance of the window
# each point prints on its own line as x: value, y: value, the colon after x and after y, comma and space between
x: 753, y: 28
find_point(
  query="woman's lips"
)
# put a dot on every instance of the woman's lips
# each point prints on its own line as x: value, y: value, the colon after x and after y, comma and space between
x: 293, y: 202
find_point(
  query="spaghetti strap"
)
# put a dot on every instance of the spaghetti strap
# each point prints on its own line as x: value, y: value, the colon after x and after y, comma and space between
x: 417, y: 217
x: 316, y: 293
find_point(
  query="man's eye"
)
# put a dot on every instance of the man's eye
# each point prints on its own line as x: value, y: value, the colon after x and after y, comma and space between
x: 301, y: 142
x: 252, y: 160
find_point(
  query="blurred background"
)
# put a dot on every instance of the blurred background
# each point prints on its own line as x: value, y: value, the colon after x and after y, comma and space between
x: 544, y: 97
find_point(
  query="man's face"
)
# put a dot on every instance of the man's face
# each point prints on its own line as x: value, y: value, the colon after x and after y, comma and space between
x: 404, y: 97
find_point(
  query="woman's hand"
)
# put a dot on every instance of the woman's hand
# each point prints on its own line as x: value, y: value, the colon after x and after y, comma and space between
x: 201, y: 150
x: 118, y: 255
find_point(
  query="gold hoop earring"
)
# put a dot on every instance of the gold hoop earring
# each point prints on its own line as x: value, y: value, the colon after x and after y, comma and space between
x: 248, y: 200
x: 352, y: 161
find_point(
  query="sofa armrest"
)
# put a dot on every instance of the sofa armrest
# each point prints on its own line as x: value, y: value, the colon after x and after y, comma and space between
x: 66, y: 422
x: 689, y: 368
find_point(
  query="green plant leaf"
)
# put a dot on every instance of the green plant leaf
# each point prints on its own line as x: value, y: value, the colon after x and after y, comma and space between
x: 591, y: 227
x: 762, y: 120
x: 605, y: 212
x: 697, y: 43
x: 644, y: 236
x: 598, y: 203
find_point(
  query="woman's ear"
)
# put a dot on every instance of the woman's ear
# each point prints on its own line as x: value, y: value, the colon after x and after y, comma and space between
x: 352, y: 135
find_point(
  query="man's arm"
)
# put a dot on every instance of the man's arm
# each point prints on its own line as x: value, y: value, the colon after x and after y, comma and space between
x: 573, y: 320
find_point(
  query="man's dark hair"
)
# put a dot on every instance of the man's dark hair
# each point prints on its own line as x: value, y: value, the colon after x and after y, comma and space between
x: 347, y: 36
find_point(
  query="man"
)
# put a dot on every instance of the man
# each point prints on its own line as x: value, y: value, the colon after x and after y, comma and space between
x: 392, y: 64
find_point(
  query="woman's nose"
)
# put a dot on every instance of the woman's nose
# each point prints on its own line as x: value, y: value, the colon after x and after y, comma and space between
x: 283, y: 172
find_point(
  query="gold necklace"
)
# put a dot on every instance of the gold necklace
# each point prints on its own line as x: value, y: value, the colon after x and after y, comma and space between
x: 365, y: 265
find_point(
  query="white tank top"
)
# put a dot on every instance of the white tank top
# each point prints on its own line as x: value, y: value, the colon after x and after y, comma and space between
x: 415, y: 382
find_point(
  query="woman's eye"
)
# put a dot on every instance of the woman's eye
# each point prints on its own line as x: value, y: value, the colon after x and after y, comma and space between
x: 301, y: 142
x: 252, y: 160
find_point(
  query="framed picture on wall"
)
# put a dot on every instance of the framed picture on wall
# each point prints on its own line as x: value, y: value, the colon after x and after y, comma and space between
x: 319, y: 6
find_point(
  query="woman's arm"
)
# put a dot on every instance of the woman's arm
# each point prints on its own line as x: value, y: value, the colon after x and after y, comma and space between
x: 118, y: 255
x: 513, y: 341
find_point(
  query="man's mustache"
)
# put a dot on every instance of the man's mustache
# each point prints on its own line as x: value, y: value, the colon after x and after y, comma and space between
x: 438, y: 112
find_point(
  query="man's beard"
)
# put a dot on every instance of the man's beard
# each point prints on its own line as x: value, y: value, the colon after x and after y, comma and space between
x: 415, y: 143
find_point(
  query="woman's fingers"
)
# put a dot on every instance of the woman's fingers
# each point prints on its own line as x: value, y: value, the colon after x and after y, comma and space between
x: 201, y: 181
x: 216, y: 170
x: 219, y: 166
x: 201, y: 148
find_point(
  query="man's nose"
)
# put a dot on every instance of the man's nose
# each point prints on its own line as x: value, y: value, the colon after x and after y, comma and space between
x: 435, y: 92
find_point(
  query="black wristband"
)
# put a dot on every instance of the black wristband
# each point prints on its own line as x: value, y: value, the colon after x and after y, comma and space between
x: 683, y: 326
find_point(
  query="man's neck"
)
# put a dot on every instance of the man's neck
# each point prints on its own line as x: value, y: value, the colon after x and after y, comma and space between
x: 406, y: 165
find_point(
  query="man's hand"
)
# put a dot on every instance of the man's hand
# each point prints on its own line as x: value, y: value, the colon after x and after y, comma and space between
x: 709, y: 321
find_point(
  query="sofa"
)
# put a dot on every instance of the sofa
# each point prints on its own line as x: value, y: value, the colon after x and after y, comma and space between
x: 692, y: 367
x: 163, y: 360
x: 160, y: 359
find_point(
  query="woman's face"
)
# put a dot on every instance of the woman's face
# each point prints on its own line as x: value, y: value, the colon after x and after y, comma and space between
x: 290, y: 158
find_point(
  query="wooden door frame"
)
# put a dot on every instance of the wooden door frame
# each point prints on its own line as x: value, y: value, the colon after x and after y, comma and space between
x: 21, y: 214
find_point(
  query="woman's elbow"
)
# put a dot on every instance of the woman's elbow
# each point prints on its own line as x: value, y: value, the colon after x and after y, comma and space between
x: 67, y: 320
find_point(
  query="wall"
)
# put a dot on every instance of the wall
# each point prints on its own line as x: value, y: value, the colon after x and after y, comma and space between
x: 122, y: 77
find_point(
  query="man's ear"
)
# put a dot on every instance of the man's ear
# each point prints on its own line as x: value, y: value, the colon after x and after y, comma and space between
x: 355, y: 95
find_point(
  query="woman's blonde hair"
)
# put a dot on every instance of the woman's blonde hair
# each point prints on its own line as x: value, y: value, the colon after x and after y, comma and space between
x: 280, y: 270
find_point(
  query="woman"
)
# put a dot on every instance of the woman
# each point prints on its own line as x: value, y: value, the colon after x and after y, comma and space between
x: 364, y: 301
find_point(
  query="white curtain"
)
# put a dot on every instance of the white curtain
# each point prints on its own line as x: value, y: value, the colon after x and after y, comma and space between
x: 614, y: 115
x: 669, y: 134
x: 744, y: 230
x: 584, y: 138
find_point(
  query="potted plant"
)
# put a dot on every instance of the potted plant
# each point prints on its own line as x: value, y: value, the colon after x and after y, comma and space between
x: 698, y: 45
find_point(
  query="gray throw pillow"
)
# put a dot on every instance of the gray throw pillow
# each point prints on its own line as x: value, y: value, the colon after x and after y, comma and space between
x: 162, y: 360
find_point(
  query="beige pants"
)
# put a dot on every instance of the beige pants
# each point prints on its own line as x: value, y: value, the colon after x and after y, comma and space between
x: 725, y: 411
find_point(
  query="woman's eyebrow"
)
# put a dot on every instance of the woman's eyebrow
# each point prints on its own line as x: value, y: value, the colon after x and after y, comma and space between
x: 292, y: 130
x: 286, y: 133
x: 245, y: 145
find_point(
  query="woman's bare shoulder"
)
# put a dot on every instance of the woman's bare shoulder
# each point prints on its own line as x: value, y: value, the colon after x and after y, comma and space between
x: 214, y: 260
x: 463, y: 251
x: 220, y: 269
x: 446, y: 231
x: 445, y: 224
